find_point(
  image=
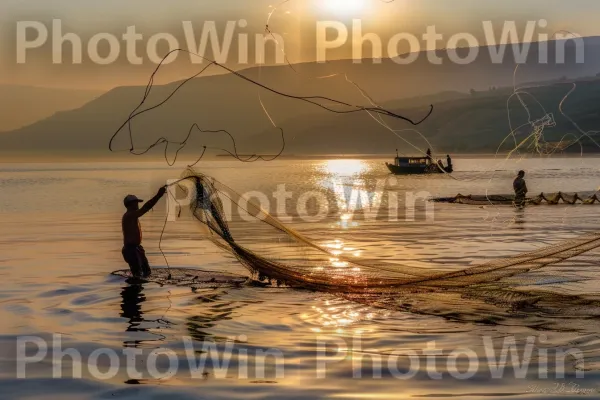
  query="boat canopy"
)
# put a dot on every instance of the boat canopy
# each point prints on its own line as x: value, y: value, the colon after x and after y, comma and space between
x: 412, y: 161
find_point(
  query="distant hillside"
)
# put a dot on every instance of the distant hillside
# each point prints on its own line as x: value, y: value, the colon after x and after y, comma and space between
x: 24, y: 105
x: 227, y: 102
x: 468, y: 123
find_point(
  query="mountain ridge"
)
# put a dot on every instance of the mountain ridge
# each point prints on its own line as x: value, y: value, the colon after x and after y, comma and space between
x: 228, y: 102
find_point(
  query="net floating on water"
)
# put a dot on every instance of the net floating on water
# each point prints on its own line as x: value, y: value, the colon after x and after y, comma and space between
x: 273, y: 251
x: 189, y: 277
x: 500, y: 199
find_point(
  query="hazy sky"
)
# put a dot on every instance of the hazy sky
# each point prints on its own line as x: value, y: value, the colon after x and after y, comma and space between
x: 295, y: 21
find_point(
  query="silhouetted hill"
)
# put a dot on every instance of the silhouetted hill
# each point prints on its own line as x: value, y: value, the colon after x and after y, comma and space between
x: 460, y: 122
x: 24, y: 105
x: 470, y: 123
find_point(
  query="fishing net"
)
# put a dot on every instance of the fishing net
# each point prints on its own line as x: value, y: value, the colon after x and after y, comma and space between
x: 501, y: 199
x: 272, y: 251
x: 189, y: 277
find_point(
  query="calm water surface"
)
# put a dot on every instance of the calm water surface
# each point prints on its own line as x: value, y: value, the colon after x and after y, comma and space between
x: 60, y: 240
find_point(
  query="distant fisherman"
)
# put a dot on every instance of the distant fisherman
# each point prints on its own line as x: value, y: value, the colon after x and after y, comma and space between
x: 133, y: 252
x: 520, y: 188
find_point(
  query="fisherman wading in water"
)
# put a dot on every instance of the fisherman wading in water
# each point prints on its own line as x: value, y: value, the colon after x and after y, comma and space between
x: 133, y: 252
x: 520, y: 188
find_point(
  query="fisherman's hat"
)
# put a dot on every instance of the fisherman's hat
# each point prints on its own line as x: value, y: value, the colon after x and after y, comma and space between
x: 130, y: 198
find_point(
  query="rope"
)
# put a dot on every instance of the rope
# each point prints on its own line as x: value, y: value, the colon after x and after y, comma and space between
x: 314, y: 100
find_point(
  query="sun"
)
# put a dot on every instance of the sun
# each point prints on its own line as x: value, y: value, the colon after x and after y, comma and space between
x: 343, y: 6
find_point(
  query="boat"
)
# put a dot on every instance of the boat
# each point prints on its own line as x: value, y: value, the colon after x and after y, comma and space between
x: 417, y: 165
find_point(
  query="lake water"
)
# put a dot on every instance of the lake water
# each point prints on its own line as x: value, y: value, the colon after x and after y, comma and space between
x: 60, y: 240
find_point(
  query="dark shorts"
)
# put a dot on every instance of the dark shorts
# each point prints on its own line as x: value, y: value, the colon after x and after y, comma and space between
x: 135, y: 256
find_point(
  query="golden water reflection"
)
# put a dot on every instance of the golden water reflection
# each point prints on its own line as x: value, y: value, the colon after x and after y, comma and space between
x: 341, y: 175
x: 339, y: 316
x: 337, y: 248
x: 344, y: 168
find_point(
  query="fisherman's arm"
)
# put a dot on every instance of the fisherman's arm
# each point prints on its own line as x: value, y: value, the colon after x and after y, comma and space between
x: 152, y: 202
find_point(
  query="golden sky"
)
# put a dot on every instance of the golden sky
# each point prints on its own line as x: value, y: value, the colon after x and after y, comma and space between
x: 293, y: 22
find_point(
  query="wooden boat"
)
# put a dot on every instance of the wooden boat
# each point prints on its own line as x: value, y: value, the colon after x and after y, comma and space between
x: 417, y: 165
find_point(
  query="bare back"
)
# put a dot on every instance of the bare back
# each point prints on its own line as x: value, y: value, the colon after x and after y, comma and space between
x: 132, y: 231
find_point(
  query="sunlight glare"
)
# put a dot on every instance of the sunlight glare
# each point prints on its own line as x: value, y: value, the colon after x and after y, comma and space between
x: 345, y: 167
x: 343, y: 6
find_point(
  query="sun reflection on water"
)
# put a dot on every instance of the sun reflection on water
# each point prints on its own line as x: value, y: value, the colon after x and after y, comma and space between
x: 336, y: 249
x: 341, y: 177
x: 344, y: 168
x: 338, y: 316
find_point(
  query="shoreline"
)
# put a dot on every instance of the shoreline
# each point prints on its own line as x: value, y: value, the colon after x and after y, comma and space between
x: 57, y: 159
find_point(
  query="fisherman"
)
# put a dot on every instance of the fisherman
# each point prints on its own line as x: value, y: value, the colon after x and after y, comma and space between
x: 449, y: 168
x: 441, y: 165
x: 429, y: 153
x: 520, y: 188
x: 133, y: 252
